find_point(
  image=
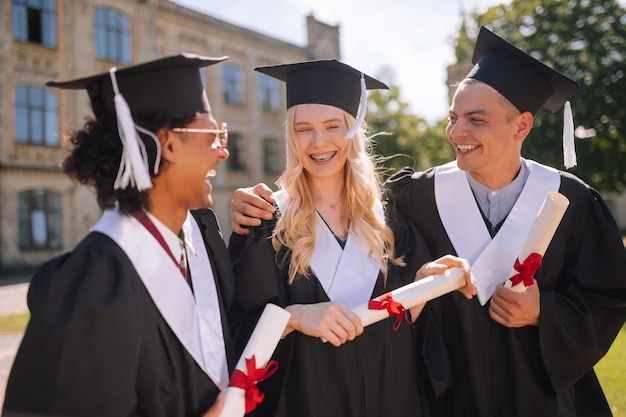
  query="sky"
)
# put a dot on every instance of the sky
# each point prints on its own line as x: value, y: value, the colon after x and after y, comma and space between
x: 413, y: 37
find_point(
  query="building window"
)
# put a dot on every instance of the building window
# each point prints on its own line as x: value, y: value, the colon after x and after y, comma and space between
x: 36, y: 116
x: 233, y: 85
x: 112, y: 36
x: 268, y: 93
x: 35, y: 21
x: 39, y: 220
x: 272, y: 161
x: 237, y: 149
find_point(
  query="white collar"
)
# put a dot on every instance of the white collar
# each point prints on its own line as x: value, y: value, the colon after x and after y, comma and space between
x: 491, y: 260
x: 347, y: 275
x: 193, y: 320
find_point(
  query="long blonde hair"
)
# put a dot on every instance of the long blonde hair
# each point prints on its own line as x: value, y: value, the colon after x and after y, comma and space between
x: 295, y: 229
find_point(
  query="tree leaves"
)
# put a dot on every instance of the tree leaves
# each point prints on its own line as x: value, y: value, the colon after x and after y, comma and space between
x: 586, y: 40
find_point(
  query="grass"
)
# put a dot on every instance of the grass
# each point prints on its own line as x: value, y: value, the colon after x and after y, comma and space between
x: 14, y: 323
x: 611, y: 372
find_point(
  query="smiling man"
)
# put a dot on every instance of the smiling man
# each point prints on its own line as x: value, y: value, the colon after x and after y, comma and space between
x: 514, y: 354
x: 131, y: 322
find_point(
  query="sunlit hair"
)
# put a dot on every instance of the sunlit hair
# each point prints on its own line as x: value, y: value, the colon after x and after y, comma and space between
x: 295, y: 230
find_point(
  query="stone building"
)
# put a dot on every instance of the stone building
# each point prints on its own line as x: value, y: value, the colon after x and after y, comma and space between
x: 42, y: 212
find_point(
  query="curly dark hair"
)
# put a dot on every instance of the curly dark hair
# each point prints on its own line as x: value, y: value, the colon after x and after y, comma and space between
x: 95, y: 153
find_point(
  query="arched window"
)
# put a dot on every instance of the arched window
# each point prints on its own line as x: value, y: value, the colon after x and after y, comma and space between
x: 39, y: 217
x: 36, y: 116
x: 112, y: 36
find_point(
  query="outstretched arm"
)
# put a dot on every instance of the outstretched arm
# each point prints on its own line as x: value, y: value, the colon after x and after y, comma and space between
x: 439, y: 266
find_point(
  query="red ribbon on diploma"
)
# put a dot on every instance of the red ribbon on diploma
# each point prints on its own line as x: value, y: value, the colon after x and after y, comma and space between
x: 247, y: 381
x: 394, y: 308
x: 526, y: 270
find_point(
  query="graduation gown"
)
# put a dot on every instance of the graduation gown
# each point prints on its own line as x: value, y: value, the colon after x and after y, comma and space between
x: 544, y: 370
x: 97, y: 344
x: 374, y: 375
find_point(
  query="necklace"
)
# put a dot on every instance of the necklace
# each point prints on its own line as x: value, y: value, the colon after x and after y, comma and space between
x: 334, y: 206
x: 322, y: 202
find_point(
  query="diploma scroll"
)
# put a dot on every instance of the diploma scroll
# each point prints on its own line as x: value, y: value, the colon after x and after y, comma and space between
x: 539, y: 238
x: 415, y: 293
x: 259, y: 349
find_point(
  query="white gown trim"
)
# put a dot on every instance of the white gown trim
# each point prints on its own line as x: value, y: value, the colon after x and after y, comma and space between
x: 491, y: 260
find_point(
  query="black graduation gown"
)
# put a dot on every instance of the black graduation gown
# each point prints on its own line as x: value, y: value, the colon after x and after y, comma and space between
x: 374, y: 375
x: 530, y: 371
x: 96, y: 344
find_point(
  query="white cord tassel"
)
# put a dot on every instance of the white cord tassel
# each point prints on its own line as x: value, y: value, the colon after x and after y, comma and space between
x: 569, y: 149
x: 362, y: 109
x: 133, y: 168
x: 157, y: 144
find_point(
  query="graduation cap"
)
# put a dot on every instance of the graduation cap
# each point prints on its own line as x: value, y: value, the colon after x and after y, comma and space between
x: 170, y: 85
x: 326, y: 81
x: 526, y: 82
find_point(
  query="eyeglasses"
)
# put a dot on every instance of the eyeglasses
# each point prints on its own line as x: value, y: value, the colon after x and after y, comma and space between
x: 221, y: 135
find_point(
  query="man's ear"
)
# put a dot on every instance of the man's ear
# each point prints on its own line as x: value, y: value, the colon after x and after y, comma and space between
x: 524, y: 124
x: 168, y: 141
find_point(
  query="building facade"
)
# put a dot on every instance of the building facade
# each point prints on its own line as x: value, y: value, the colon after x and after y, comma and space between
x: 42, y: 212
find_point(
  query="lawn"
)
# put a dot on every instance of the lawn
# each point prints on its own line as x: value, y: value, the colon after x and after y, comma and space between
x: 13, y: 324
x: 611, y: 371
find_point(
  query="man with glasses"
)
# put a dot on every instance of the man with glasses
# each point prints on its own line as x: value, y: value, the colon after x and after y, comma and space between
x: 132, y: 320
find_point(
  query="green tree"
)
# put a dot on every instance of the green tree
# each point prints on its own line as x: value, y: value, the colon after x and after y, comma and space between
x: 401, y: 138
x: 586, y: 40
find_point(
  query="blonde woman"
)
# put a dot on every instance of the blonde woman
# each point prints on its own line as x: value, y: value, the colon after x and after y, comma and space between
x: 331, y: 245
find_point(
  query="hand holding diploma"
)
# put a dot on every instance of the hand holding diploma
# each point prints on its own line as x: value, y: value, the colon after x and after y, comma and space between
x: 331, y: 321
x: 531, y: 254
x: 522, y: 306
x: 404, y: 298
x: 242, y: 394
x: 335, y: 323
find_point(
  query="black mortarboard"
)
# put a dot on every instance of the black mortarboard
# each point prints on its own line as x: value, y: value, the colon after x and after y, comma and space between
x: 169, y: 85
x: 524, y: 81
x: 326, y: 81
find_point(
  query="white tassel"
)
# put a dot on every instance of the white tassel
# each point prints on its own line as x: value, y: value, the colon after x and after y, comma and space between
x: 569, y: 149
x: 157, y: 144
x: 133, y: 168
x: 362, y: 109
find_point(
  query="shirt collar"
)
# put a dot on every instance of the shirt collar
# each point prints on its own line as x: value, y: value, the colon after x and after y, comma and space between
x: 496, y: 204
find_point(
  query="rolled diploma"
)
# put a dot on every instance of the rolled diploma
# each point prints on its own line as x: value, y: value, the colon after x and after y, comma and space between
x: 542, y: 232
x: 415, y: 293
x: 261, y: 345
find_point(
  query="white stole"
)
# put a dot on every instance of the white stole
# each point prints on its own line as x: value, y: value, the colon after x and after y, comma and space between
x: 491, y: 260
x: 171, y: 293
x: 347, y: 275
